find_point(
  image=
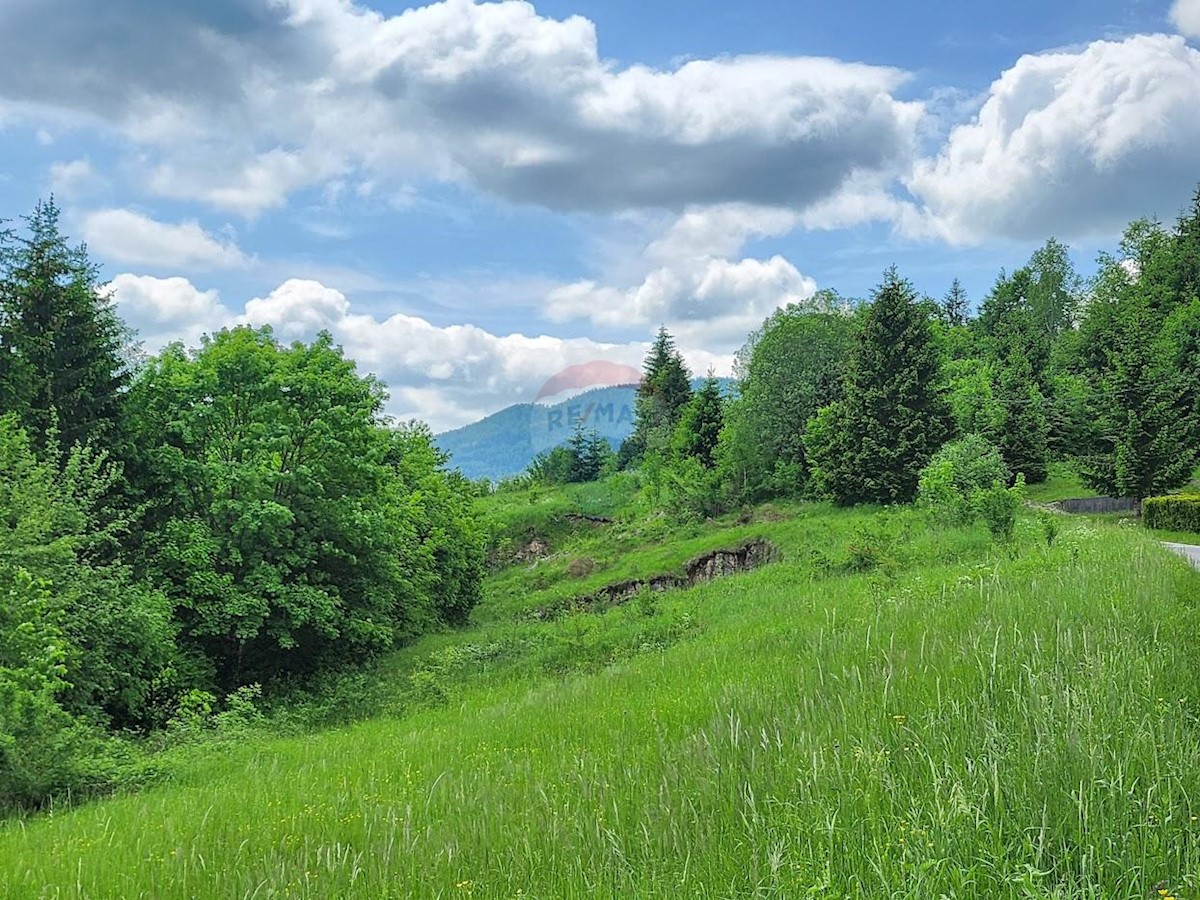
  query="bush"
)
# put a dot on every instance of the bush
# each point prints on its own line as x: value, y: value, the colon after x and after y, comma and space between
x: 1179, y: 512
x: 998, y: 506
x: 959, y: 473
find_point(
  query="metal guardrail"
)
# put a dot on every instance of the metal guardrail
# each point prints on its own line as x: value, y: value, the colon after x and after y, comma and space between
x: 1100, y: 505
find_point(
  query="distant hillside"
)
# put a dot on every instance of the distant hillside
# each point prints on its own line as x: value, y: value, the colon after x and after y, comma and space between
x: 506, y: 442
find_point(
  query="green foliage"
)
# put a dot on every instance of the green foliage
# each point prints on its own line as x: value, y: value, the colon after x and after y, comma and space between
x: 1138, y: 368
x: 1050, y: 526
x: 872, y: 445
x: 62, y: 345
x: 290, y: 528
x: 585, y: 457
x: 972, y: 398
x: 699, y: 427
x: 789, y: 369
x: 998, y: 506
x: 952, y: 482
x: 955, y: 307
x: 1178, y: 512
x: 1023, y: 432
x: 118, y: 631
x: 661, y: 397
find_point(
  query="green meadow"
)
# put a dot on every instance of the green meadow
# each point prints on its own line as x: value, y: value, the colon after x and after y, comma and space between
x: 893, y: 709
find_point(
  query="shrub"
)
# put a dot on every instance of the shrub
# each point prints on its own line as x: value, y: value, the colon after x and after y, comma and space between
x: 957, y: 475
x: 1178, y: 512
x: 998, y: 506
x: 581, y: 566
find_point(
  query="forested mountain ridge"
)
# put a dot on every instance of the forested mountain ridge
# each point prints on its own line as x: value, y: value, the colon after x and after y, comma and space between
x: 506, y: 442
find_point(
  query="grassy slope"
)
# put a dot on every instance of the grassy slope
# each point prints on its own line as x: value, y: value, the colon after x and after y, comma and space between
x: 958, y: 723
x: 1063, y: 483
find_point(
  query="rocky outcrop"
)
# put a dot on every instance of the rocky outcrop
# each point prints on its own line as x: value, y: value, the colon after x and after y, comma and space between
x: 706, y: 567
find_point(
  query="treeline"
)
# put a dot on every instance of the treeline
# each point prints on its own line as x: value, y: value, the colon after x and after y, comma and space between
x: 851, y: 401
x: 175, y: 528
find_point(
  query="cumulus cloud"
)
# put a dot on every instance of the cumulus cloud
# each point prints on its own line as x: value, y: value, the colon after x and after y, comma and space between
x: 295, y: 92
x: 125, y: 236
x: 73, y: 178
x: 1069, y: 143
x: 711, y: 302
x: 448, y: 376
x: 691, y: 278
x: 1186, y: 16
x: 163, y: 310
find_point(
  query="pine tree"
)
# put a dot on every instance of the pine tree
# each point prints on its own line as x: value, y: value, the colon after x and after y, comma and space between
x: 61, y: 338
x: 871, y: 447
x: 700, y: 426
x: 955, y: 306
x: 661, y: 397
x: 596, y: 453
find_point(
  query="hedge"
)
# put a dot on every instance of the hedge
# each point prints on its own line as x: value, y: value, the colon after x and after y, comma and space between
x: 1178, y: 512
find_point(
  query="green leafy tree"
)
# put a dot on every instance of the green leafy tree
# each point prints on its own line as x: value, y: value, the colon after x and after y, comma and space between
x: 873, y: 445
x: 451, y: 539
x: 788, y: 370
x: 281, y: 525
x: 117, y: 630
x: 955, y: 478
x: 972, y: 398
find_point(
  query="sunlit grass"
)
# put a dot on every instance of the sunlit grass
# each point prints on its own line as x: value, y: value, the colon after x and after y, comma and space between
x: 962, y: 721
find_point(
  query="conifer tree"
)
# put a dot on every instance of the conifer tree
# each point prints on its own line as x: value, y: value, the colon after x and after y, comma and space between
x: 955, y: 306
x: 700, y: 426
x: 871, y: 447
x: 1023, y: 433
x: 62, y: 341
x: 662, y: 395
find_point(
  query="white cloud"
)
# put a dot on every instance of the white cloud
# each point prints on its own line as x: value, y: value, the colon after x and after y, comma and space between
x: 125, y: 236
x: 73, y: 178
x: 1072, y: 143
x: 1186, y: 16
x: 163, y: 310
x: 709, y: 302
x: 298, y: 92
x: 690, y: 278
x: 448, y: 376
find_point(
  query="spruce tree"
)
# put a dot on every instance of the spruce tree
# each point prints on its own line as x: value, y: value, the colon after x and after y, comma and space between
x: 871, y: 447
x: 662, y: 395
x: 699, y: 428
x: 955, y: 306
x: 1024, y: 432
x: 61, y: 338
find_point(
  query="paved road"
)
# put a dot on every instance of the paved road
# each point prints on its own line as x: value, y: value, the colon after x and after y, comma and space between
x: 1188, y: 551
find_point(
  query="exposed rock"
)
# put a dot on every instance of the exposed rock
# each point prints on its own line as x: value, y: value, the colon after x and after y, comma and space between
x: 584, y: 518
x: 715, y: 564
x: 532, y: 551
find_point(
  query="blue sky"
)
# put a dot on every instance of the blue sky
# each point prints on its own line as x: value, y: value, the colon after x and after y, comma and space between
x: 472, y: 196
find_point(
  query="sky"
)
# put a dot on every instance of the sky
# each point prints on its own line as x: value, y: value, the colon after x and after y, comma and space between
x: 473, y: 196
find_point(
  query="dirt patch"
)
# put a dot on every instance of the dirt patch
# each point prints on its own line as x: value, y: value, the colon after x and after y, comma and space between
x: 532, y: 551
x: 706, y: 567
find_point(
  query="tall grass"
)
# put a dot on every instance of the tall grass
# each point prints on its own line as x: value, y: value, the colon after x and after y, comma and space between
x: 963, y: 723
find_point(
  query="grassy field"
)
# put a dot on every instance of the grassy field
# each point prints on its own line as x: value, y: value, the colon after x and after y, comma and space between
x: 1063, y: 483
x: 894, y: 710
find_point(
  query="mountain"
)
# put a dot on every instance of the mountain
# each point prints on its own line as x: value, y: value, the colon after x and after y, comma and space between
x: 506, y: 442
